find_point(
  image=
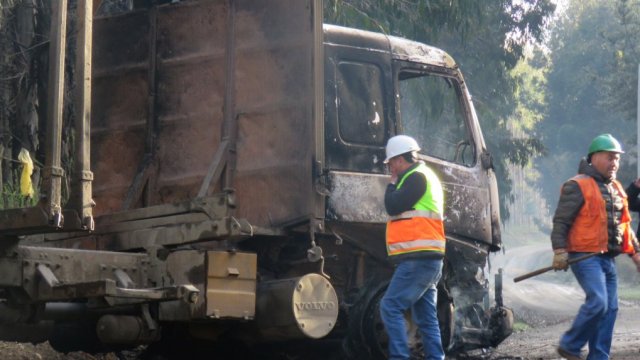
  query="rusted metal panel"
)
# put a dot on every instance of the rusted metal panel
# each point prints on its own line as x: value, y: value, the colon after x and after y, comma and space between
x: 272, y: 93
x: 186, y: 267
x: 357, y: 197
x: 24, y: 221
x: 119, y: 105
x: 274, y: 107
x: 467, y: 208
x: 71, y: 267
x: 191, y: 73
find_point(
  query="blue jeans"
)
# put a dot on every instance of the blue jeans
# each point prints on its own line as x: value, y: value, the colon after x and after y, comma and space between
x: 413, y: 285
x: 597, y: 316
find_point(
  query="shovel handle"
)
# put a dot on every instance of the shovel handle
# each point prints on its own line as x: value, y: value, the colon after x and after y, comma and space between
x: 549, y: 268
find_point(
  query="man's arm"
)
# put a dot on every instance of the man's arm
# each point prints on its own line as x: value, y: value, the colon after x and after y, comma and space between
x: 632, y: 192
x: 398, y: 201
x: 635, y: 257
x: 569, y: 204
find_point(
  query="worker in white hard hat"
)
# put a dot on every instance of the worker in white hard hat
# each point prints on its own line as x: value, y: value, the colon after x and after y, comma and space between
x: 415, y: 241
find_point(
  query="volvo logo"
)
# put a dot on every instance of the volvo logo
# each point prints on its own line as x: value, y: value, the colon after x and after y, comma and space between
x: 315, y: 305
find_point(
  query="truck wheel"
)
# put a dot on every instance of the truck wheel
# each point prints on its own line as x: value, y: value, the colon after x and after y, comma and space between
x: 356, y: 345
x: 366, y: 326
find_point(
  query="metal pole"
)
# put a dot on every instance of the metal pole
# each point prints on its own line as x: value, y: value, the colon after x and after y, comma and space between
x: 638, y: 126
x: 52, y: 171
x: 81, y: 193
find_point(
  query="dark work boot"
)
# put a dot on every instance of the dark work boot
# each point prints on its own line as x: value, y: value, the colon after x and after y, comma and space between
x: 567, y: 355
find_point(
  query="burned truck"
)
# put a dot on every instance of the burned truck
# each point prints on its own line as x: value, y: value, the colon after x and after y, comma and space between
x: 227, y: 184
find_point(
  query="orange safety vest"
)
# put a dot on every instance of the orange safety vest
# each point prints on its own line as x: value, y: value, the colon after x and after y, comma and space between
x: 589, y: 230
x: 422, y: 228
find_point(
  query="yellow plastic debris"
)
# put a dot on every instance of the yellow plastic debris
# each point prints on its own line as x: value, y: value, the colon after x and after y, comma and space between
x: 26, y: 188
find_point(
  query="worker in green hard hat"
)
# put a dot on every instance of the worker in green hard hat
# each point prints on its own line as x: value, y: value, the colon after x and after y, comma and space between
x: 593, y: 217
x: 604, y: 142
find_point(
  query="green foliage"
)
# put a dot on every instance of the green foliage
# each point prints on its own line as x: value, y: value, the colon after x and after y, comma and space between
x: 520, y: 326
x: 581, y: 86
x: 487, y: 39
x: 620, y: 82
x: 414, y: 19
x: 10, y: 197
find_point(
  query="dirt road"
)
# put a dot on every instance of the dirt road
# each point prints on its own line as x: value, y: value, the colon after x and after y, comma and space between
x: 548, y: 304
x: 540, y: 342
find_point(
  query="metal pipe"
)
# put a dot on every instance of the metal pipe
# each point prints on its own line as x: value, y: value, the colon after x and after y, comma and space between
x: 64, y: 311
x: 52, y: 171
x: 81, y: 192
x: 119, y: 329
x: 68, y: 311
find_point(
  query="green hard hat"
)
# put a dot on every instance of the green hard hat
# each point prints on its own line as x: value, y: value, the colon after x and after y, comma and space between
x: 605, y: 142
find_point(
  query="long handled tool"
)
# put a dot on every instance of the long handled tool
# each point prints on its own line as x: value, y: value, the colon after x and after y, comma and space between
x: 549, y: 268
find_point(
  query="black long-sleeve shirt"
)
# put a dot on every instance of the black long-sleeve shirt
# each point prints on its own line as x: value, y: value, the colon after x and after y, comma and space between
x: 397, y: 201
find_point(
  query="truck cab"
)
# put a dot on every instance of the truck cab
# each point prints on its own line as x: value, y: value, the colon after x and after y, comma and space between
x: 377, y: 86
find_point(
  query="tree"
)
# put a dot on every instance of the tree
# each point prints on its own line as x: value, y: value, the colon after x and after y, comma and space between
x: 487, y: 39
x: 576, y: 113
x: 620, y: 81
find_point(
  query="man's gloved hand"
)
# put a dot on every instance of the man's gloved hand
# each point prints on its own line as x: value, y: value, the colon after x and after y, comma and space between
x: 560, y: 260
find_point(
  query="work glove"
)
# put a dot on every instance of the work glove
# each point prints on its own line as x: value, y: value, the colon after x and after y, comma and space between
x: 560, y: 261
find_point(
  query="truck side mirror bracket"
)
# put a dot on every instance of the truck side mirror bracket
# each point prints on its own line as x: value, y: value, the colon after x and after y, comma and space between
x: 487, y: 160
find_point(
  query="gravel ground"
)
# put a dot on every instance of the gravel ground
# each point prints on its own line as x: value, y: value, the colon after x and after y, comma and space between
x: 548, y: 304
x: 20, y: 351
x: 540, y: 342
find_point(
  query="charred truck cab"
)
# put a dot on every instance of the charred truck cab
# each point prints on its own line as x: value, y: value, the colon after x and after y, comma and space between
x: 377, y: 86
x: 228, y: 185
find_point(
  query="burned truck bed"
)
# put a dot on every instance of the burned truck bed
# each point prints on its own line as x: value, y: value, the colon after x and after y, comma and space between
x: 193, y: 91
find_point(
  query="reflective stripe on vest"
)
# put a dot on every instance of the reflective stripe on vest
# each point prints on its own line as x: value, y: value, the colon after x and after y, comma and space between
x: 420, y: 229
x: 589, y: 231
x: 417, y: 213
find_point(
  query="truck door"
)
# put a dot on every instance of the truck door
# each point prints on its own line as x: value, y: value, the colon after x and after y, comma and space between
x: 359, y: 113
x: 434, y: 107
x: 357, y: 108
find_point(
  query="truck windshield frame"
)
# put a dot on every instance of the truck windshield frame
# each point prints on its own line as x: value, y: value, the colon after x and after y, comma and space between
x: 431, y: 109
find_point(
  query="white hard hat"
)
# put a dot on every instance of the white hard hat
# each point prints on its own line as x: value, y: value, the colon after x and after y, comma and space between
x: 399, y: 145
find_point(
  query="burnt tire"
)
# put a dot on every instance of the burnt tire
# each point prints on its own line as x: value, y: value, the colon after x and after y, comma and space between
x: 367, y: 337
